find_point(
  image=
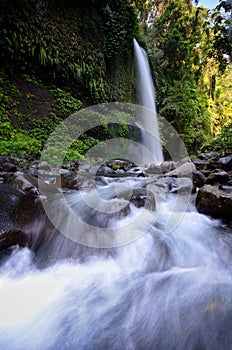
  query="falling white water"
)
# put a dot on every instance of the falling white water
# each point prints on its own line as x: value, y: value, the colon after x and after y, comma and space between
x: 146, y: 98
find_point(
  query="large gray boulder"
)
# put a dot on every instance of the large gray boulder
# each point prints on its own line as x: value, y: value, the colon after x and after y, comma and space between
x: 184, y: 170
x: 218, y: 176
x: 142, y: 197
x: 201, y: 164
x: 17, y: 210
x: 212, y: 201
x: 198, y: 178
x: 226, y: 162
x: 208, y: 155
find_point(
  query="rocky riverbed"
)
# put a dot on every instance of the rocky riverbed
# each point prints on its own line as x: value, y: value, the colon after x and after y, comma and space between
x: 24, y: 180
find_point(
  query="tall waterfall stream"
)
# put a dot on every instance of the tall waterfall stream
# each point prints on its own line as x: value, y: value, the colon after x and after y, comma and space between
x: 146, y: 98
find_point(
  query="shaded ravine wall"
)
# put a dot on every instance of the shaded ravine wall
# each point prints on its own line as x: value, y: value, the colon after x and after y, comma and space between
x: 85, y: 45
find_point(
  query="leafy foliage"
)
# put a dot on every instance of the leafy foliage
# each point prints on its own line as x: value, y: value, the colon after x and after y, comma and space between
x: 70, y: 41
x: 120, y: 23
x: 186, y: 66
x: 221, y: 142
x: 66, y: 102
x: 32, y: 132
x: 220, y: 106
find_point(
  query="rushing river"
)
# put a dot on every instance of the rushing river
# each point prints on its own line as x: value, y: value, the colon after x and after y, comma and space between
x: 155, y: 277
x: 161, y: 291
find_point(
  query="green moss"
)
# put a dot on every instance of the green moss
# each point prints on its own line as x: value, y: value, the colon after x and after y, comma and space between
x: 53, y: 52
x: 77, y: 42
x: 66, y: 102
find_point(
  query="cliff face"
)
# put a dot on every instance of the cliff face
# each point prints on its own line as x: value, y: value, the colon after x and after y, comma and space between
x: 86, y: 45
x: 57, y: 57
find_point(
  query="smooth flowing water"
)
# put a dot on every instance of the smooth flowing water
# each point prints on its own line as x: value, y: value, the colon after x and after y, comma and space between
x: 146, y: 98
x: 161, y: 291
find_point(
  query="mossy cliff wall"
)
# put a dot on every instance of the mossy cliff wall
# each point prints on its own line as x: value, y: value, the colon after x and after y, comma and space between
x: 57, y: 57
x: 86, y: 45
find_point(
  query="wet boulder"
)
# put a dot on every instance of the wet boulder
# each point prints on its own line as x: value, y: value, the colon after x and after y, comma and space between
x: 142, y: 197
x: 199, y: 178
x: 20, y: 181
x: 17, y: 210
x: 163, y: 184
x: 118, y: 168
x: 69, y: 180
x: 208, y: 155
x: 9, y: 167
x: 214, y: 202
x: 201, y: 164
x: 154, y: 169
x: 166, y: 166
x: 181, y: 185
x: 8, y: 164
x: 218, y: 177
x: 104, y: 170
x: 225, y: 162
x: 73, y: 166
x: 136, y: 171
x: 12, y: 236
x: 44, y: 165
x: 122, y: 164
x: 184, y: 170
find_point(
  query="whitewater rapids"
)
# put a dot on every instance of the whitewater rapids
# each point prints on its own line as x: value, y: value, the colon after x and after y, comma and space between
x: 162, y: 291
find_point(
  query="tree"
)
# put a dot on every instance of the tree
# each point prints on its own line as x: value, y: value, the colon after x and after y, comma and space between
x: 186, y: 61
x: 221, y: 20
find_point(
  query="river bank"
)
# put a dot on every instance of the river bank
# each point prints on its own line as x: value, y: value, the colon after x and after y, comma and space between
x: 206, y: 181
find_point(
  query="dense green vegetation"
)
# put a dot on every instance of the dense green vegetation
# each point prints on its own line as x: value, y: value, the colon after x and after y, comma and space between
x: 189, y: 49
x: 60, y: 56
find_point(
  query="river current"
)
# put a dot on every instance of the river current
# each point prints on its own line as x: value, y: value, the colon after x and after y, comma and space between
x: 163, y: 290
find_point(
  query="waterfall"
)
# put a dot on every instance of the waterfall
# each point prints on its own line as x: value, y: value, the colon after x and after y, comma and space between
x: 164, y: 281
x: 146, y: 98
